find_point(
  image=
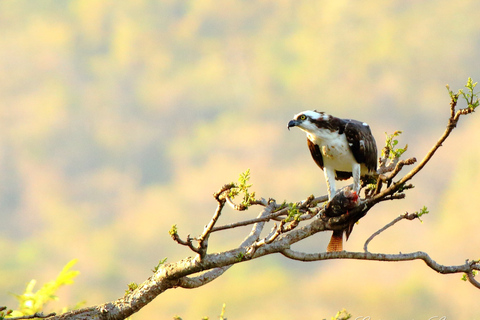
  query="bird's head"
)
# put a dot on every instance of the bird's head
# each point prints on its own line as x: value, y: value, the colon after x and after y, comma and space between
x: 308, y: 120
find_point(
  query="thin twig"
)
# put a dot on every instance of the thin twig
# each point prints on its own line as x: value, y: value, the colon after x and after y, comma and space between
x: 406, y: 215
x: 188, y: 243
x: 248, y: 222
x: 208, y: 276
x: 471, y: 276
x: 311, y: 201
x: 394, y: 172
x: 242, y: 207
x: 451, y: 125
x: 34, y: 316
x: 203, y: 239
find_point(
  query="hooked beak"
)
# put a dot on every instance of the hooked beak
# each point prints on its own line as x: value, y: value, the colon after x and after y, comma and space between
x: 292, y: 123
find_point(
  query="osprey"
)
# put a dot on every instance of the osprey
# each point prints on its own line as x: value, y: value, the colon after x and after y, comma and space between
x: 342, y: 148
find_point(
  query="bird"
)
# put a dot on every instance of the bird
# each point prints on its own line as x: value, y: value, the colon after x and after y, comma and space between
x: 342, y: 148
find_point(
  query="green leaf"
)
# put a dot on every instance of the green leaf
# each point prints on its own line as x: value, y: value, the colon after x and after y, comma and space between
x: 160, y: 263
x: 469, y: 95
x: 422, y: 211
x: 240, y: 256
x: 132, y: 286
x: 293, y: 212
x: 390, y: 144
x: 243, y: 188
x: 342, y: 315
x: 173, y: 230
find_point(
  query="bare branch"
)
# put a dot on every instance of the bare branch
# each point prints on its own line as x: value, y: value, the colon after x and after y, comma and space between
x: 187, y: 243
x: 220, y: 194
x: 194, y: 282
x: 310, y: 202
x: 203, y: 279
x: 471, y: 277
x: 451, y: 125
x: 242, y: 207
x: 249, y: 222
x: 203, y: 239
x: 394, y: 172
x: 37, y: 315
x: 419, y: 255
x: 406, y: 215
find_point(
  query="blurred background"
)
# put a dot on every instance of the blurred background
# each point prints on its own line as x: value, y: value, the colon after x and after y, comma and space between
x: 119, y: 119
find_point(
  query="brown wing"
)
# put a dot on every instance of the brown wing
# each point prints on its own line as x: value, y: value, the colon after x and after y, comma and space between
x: 362, y: 143
x: 316, y: 154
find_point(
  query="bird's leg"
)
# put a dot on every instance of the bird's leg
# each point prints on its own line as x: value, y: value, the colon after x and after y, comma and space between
x: 356, y: 177
x: 330, y: 178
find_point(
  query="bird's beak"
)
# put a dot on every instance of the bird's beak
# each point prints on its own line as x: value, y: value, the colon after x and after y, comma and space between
x: 292, y: 123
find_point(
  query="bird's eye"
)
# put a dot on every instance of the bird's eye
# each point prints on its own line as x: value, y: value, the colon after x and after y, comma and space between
x: 303, y: 117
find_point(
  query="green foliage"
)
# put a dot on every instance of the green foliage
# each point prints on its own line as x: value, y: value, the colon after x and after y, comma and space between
x: 293, y: 212
x: 132, y: 286
x: 32, y: 302
x: 282, y: 206
x: 4, y: 312
x: 422, y: 211
x: 342, y: 315
x: 240, y: 256
x: 243, y: 188
x: 452, y: 94
x: 371, y: 186
x: 474, y: 272
x: 160, y: 263
x: 222, y: 315
x: 404, y: 187
x: 464, y: 276
x: 173, y: 230
x: 471, y: 98
x: 391, y: 143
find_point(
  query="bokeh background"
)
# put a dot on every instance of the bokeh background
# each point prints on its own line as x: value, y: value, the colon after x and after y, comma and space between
x: 119, y: 119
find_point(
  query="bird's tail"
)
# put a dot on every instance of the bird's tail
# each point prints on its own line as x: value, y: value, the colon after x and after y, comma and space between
x: 336, y: 242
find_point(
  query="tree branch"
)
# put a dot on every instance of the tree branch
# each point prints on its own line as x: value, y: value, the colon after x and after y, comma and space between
x: 310, y: 202
x: 406, y: 215
x: 36, y: 315
x: 467, y: 268
x: 193, y: 272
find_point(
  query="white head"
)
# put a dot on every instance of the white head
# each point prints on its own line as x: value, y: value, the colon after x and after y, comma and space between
x: 308, y: 120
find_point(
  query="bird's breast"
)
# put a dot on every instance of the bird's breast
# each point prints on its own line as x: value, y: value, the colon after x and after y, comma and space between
x: 335, y: 151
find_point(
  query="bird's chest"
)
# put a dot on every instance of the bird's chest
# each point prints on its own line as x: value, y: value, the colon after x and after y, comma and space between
x: 335, y: 151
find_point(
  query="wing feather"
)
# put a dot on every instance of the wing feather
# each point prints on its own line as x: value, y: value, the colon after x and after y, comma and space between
x: 316, y: 154
x: 362, y: 144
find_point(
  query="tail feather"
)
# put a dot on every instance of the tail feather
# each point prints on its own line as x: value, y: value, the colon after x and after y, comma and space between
x: 336, y: 241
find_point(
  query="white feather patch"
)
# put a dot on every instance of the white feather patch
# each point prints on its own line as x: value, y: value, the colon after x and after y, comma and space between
x: 309, y: 113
